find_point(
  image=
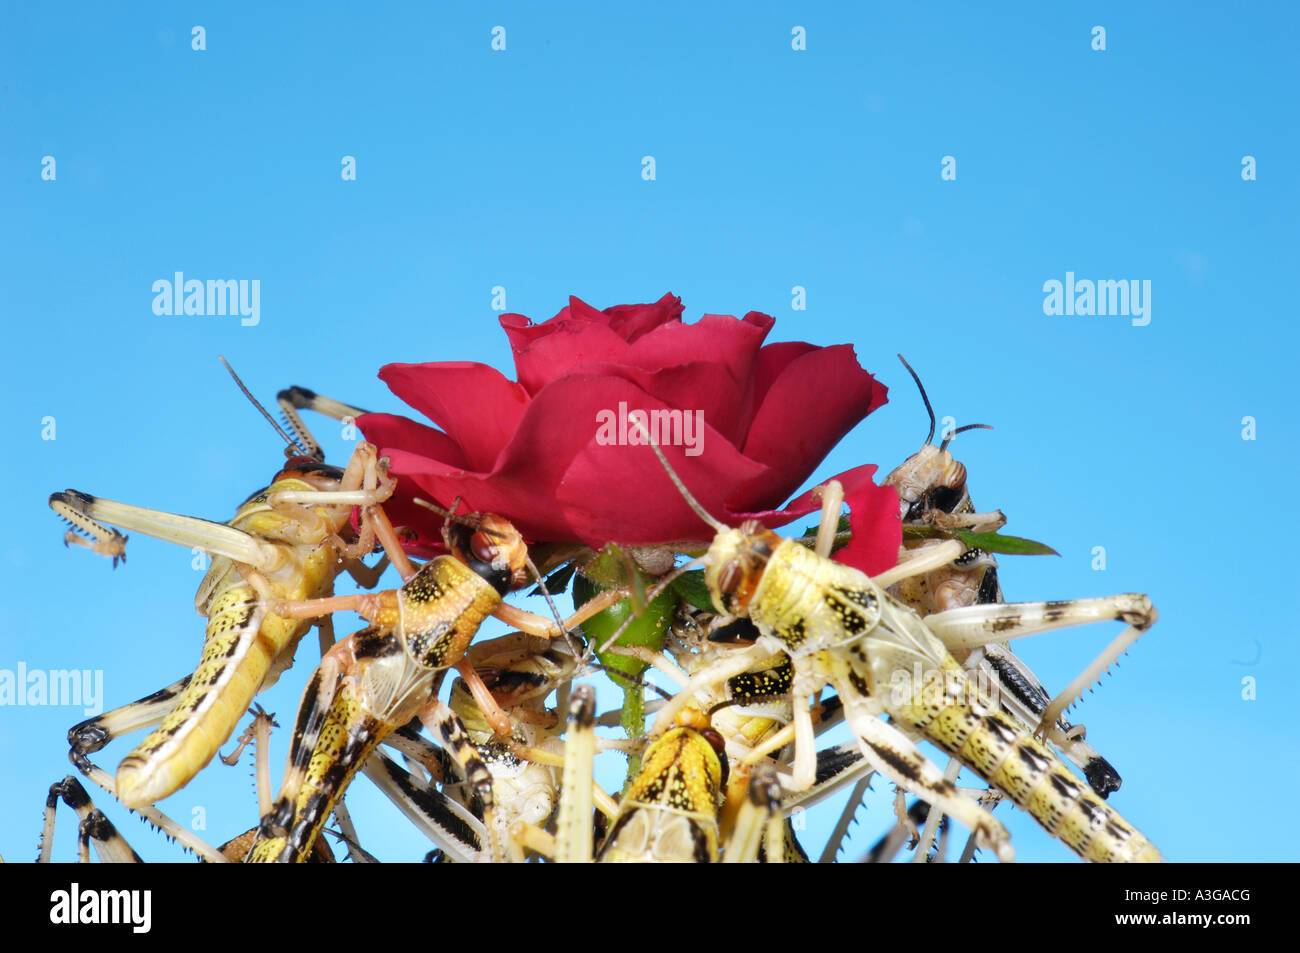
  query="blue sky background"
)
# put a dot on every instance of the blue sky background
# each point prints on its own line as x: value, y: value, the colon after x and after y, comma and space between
x: 775, y: 168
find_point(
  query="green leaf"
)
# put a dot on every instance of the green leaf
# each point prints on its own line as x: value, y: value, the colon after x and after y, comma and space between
x: 998, y: 543
x: 691, y: 587
x: 810, y: 532
x: 989, y: 542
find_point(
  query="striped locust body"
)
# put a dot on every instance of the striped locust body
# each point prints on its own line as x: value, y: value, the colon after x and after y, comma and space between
x: 374, y: 682
x: 520, y: 671
x: 843, y: 629
x: 671, y: 810
x: 933, y: 494
x: 368, y: 686
x: 285, y: 542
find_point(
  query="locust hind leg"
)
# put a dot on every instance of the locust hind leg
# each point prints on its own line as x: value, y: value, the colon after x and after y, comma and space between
x: 93, y: 734
x: 1017, y: 688
x: 973, y: 626
x: 574, y: 841
x: 294, y: 399
x: 452, y: 827
x: 439, y: 717
x: 94, y: 828
x: 895, y: 756
x: 1023, y: 696
x: 258, y: 734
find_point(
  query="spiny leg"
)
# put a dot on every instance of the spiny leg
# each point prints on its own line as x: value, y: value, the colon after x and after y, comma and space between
x: 898, y: 759
x: 89, y: 513
x: 893, y: 840
x: 1020, y: 692
x: 991, y: 798
x: 258, y: 734
x: 455, y: 831
x: 93, y: 734
x: 926, y: 837
x: 151, y: 814
x: 835, y: 842
x: 294, y: 399
x: 438, y: 717
x: 94, y: 827
x: 973, y: 626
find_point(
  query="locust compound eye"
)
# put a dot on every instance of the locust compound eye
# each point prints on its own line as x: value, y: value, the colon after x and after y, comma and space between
x: 720, y: 748
x: 955, y: 476
x: 712, y: 736
x: 483, y: 546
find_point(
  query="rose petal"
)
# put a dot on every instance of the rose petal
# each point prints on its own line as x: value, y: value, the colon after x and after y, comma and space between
x: 544, y: 352
x: 793, y: 430
x: 631, y: 321
x: 771, y: 363
x: 480, y: 427
x: 877, y: 530
x: 679, y: 354
x: 557, y: 481
x: 873, y: 519
x: 414, y: 438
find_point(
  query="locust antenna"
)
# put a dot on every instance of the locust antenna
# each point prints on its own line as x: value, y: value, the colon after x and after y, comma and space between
x: 948, y: 439
x: 541, y: 584
x: 921, y: 388
x: 639, y: 680
x: 278, y: 429
x: 451, y: 515
x: 700, y: 511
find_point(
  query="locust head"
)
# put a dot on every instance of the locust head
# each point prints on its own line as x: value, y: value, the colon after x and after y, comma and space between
x: 491, y: 546
x: 736, y: 561
x: 930, y: 480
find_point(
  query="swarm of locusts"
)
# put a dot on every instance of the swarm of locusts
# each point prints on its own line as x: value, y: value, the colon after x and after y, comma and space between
x: 759, y: 644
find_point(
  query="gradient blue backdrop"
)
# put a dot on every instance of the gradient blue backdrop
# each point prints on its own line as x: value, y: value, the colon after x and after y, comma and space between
x: 775, y: 168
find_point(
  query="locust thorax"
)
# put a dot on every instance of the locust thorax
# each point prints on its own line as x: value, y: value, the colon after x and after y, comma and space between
x: 929, y: 479
x: 322, y: 476
x: 737, y: 560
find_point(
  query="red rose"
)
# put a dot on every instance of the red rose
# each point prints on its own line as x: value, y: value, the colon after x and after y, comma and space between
x: 556, y: 455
